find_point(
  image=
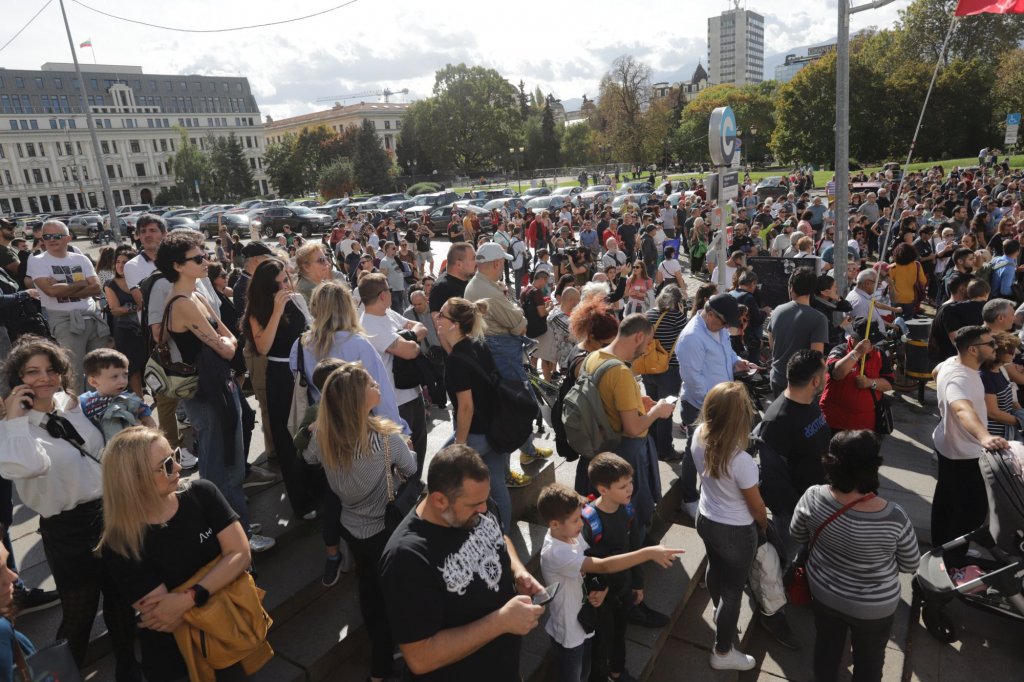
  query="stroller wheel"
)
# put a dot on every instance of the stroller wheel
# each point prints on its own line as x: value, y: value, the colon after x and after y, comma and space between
x: 939, y: 624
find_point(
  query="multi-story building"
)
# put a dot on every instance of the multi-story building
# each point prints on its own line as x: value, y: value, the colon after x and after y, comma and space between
x: 736, y: 47
x: 47, y: 164
x: 386, y: 118
x: 784, y: 72
x: 688, y: 90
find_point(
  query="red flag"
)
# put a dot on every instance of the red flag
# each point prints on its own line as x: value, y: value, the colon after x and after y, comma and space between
x: 968, y: 7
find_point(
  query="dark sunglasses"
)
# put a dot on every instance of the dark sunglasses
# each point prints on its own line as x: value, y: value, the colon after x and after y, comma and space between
x: 52, y: 237
x: 167, y: 465
x: 198, y: 260
x: 990, y: 344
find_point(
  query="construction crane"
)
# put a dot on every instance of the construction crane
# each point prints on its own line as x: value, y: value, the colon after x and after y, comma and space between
x: 386, y: 93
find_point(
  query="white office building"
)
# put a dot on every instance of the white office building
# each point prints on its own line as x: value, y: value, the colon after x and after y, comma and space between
x: 736, y: 47
x: 47, y: 164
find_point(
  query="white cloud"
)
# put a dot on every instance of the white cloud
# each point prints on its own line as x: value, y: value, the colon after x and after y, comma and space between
x: 368, y: 46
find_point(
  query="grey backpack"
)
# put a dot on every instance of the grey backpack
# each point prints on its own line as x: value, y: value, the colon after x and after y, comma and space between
x: 587, y: 428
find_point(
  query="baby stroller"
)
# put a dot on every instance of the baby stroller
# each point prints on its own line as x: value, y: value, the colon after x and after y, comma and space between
x: 994, y: 582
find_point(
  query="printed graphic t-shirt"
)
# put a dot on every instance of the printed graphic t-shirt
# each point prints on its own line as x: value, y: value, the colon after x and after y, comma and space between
x: 72, y: 268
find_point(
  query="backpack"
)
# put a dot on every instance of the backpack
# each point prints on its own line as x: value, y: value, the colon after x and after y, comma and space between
x: 536, y: 326
x: 586, y: 424
x: 146, y: 287
x: 561, y: 442
x: 518, y: 408
x: 593, y: 519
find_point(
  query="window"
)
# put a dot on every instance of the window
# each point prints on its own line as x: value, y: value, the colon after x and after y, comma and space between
x: 5, y: 104
x: 163, y: 145
x: 14, y: 124
x: 94, y: 84
x: 387, y: 125
x: 42, y: 150
x: 78, y: 146
x: 252, y: 162
x: 134, y: 147
x: 104, y: 146
x: 2, y: 155
x: 119, y: 173
x: 152, y: 86
x: 398, y: 125
x: 53, y: 124
x: 140, y: 170
x: 37, y: 175
x: 39, y: 83
x: 34, y: 124
x: 64, y: 171
x: 110, y: 171
x: 44, y: 101
x: 24, y: 124
x: 49, y: 178
x: 127, y: 197
x: 113, y: 145
x: 28, y: 178
x: 30, y: 148
x: 85, y: 175
x: 168, y: 86
x: 58, y: 84
x: 19, y: 82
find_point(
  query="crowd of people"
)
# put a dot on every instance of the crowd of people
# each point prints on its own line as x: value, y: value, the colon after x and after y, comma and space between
x: 352, y: 344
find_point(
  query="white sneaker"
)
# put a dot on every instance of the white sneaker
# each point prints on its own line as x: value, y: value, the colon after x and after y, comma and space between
x: 310, y: 515
x: 261, y: 543
x: 691, y: 509
x: 734, y: 660
x: 188, y: 460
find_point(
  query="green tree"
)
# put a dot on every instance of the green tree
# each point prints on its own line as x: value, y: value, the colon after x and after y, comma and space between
x: 924, y: 23
x: 576, y: 144
x: 625, y: 93
x: 550, y: 144
x: 1008, y: 86
x: 283, y: 167
x: 371, y: 164
x: 753, y: 105
x: 191, y: 167
x: 231, y: 173
x: 337, y: 179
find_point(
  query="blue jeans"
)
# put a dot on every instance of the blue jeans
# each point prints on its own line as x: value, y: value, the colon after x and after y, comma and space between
x: 660, y: 386
x: 497, y: 463
x: 731, y: 552
x: 572, y: 665
x: 507, y: 351
x: 688, y: 476
x: 212, y: 451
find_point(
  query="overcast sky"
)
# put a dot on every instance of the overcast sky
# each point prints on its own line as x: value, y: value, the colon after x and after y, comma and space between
x: 370, y: 45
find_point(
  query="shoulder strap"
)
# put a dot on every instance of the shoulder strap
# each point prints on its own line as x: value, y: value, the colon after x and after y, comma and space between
x: 663, y: 314
x: 835, y: 515
x: 477, y: 367
x: 596, y: 375
x: 300, y: 365
x: 167, y: 317
x: 593, y: 520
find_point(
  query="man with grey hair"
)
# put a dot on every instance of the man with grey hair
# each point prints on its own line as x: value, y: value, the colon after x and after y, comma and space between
x: 860, y: 298
x: 67, y: 284
x: 870, y: 208
x: 997, y: 315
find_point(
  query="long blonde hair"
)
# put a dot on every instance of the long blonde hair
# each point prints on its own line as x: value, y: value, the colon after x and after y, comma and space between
x: 130, y: 494
x: 343, y: 424
x: 333, y: 310
x: 726, y: 421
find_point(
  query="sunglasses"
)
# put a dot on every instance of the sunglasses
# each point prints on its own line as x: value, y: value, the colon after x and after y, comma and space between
x: 198, y: 260
x: 52, y: 237
x: 990, y: 344
x: 167, y: 465
x: 322, y: 260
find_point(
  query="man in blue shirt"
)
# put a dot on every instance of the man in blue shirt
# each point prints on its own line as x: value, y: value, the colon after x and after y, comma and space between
x: 706, y: 359
x: 1004, y: 270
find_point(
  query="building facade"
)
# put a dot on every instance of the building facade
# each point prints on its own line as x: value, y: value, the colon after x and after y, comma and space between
x: 386, y: 118
x: 736, y: 47
x: 784, y: 72
x: 47, y: 163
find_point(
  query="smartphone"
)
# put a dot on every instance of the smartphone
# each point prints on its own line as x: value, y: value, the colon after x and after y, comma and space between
x: 26, y: 402
x: 670, y: 399
x: 546, y: 595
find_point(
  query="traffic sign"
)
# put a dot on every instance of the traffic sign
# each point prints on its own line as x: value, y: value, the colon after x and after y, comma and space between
x: 1013, y: 119
x: 722, y: 136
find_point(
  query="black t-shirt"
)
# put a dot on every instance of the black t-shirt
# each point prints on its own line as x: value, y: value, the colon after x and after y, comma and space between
x: 436, y: 577
x: 459, y: 375
x: 799, y: 435
x: 962, y: 314
x: 530, y: 300
x: 939, y: 345
x: 628, y: 235
x: 619, y: 535
x: 291, y: 326
x: 924, y: 249
x: 171, y: 554
x: 446, y: 287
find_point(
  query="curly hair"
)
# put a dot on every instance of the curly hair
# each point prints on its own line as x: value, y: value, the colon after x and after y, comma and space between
x: 29, y: 346
x: 592, y: 319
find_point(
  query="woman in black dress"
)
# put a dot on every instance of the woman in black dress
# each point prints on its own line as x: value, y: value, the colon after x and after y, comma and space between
x: 127, y: 327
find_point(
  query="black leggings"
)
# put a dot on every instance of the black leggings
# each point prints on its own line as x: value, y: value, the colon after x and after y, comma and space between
x: 868, y: 639
x: 367, y: 553
x: 301, y: 481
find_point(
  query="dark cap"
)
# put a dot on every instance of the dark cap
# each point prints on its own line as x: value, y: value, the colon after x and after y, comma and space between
x: 253, y: 249
x: 8, y: 224
x: 726, y: 306
x: 860, y: 328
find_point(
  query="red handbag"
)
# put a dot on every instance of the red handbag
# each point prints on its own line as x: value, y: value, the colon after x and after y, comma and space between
x: 798, y: 588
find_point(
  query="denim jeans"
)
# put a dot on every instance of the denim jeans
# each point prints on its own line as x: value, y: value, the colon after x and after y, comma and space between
x: 688, y: 475
x: 731, y: 552
x: 572, y: 665
x: 507, y: 351
x: 660, y: 386
x: 212, y: 453
x: 868, y: 639
x: 497, y: 463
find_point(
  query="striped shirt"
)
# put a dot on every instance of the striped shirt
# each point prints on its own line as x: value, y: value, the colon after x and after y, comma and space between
x: 854, y: 566
x: 996, y: 383
x: 363, y: 488
x: 668, y: 331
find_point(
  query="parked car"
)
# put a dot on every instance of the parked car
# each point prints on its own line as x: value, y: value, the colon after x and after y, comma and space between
x: 233, y: 222
x: 182, y: 222
x: 398, y: 205
x: 337, y: 202
x: 435, y: 199
x: 549, y: 203
x: 179, y: 210
x: 302, y: 220
x: 590, y: 196
x: 133, y: 208
x: 638, y: 200
x: 535, y: 192
x: 567, y: 191
x: 442, y: 215
x: 773, y: 186
x: 82, y: 225
x: 308, y: 203
x: 471, y: 202
x: 676, y: 197
x: 635, y: 187
x: 514, y: 203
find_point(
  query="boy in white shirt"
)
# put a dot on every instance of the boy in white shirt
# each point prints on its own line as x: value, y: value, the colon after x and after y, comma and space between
x: 562, y: 560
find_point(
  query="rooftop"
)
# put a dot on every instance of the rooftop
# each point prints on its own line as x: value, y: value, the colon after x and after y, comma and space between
x: 336, y: 111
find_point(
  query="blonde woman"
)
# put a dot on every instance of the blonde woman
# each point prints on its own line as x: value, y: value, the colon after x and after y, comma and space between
x: 730, y: 510
x: 356, y: 447
x: 336, y: 333
x: 313, y: 267
x: 157, y: 535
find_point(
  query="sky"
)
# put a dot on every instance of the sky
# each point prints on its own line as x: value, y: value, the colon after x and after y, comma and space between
x: 371, y: 45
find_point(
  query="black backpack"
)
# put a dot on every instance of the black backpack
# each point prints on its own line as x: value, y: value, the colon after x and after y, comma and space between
x: 418, y: 372
x: 518, y: 407
x: 146, y: 287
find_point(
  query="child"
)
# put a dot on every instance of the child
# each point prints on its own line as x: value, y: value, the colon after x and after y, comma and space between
x: 110, y: 406
x: 610, y: 529
x: 303, y: 438
x: 562, y: 560
x: 544, y: 263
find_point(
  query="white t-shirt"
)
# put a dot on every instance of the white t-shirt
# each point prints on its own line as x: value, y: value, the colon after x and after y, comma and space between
x: 958, y: 382
x: 721, y: 499
x: 782, y: 243
x: 345, y: 246
x: 382, y: 331
x: 730, y: 272
x: 669, y: 268
x: 138, y: 269
x: 74, y: 267
x: 562, y: 562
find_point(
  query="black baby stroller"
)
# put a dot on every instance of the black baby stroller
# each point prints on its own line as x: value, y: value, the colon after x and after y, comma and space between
x: 996, y: 551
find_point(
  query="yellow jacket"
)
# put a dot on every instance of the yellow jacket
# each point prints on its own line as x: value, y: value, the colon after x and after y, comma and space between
x: 230, y: 628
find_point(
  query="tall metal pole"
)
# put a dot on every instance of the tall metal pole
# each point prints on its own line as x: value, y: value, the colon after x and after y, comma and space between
x: 842, y: 164
x: 108, y: 196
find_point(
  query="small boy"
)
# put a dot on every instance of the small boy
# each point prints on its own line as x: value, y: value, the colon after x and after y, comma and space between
x: 544, y: 263
x: 563, y: 560
x: 110, y: 406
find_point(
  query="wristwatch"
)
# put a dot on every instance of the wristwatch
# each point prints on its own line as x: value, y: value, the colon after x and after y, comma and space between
x: 200, y: 595
x: 874, y: 385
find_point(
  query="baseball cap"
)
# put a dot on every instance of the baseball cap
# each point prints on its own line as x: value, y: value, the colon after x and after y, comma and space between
x: 726, y: 306
x: 9, y: 224
x: 491, y: 252
x: 859, y: 329
x: 253, y: 249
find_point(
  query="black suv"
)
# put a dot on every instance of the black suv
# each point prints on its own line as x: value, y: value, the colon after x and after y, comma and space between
x: 302, y: 220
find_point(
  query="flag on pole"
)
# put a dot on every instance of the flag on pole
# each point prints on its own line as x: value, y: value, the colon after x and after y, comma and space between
x: 87, y: 43
x: 969, y: 7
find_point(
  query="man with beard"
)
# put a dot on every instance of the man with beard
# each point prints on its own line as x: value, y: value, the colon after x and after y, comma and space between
x: 457, y: 595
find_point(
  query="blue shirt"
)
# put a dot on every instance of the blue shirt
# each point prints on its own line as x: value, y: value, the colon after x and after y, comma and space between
x: 706, y: 359
x: 1004, y: 271
x: 353, y: 348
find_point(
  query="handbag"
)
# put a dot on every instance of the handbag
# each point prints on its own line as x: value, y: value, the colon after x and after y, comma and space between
x: 655, y: 358
x: 798, y: 588
x: 884, y: 422
x: 300, y: 394
x: 401, y: 498
x: 163, y: 375
x: 52, y: 662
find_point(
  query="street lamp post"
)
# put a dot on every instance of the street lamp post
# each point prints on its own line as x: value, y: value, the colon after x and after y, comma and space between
x: 516, y: 152
x: 751, y: 159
